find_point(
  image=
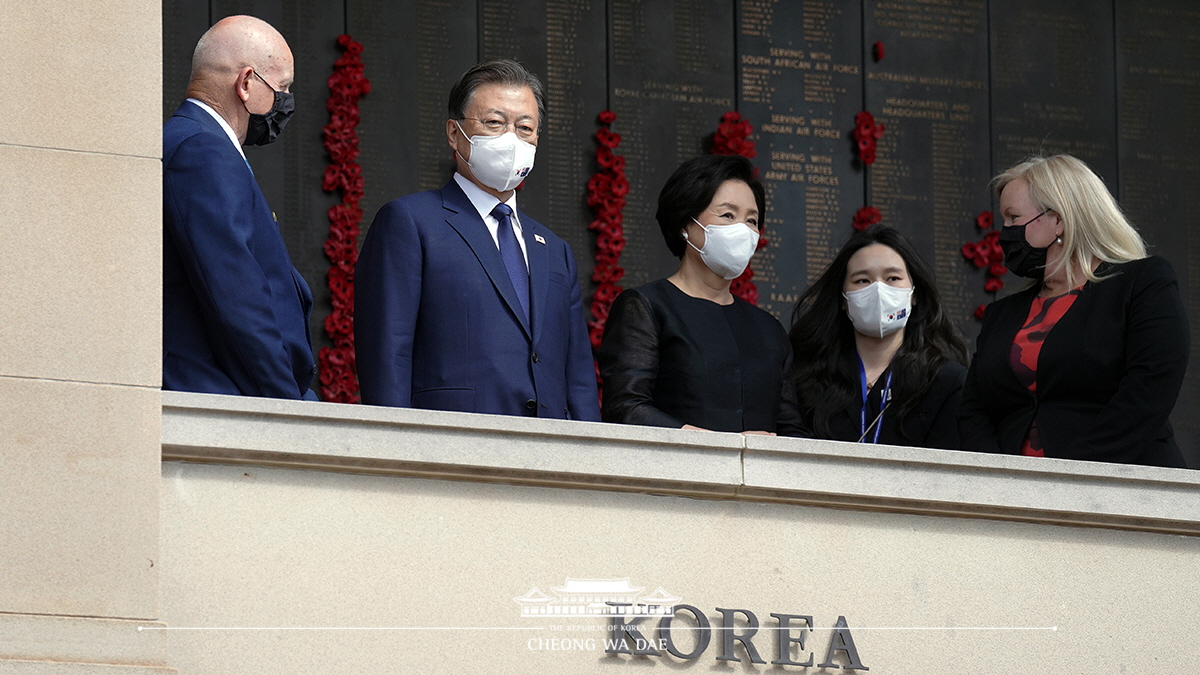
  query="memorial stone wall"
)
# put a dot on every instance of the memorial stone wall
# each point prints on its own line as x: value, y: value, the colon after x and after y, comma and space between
x: 965, y: 89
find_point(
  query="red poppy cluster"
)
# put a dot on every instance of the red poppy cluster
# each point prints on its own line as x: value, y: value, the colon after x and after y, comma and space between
x: 986, y: 253
x: 866, y: 217
x: 866, y: 133
x: 606, y: 191
x: 339, y: 380
x: 732, y: 137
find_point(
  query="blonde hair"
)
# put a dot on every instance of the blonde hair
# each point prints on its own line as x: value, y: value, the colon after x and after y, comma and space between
x: 1093, y: 224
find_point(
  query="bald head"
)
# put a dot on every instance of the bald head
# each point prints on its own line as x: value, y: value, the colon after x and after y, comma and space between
x: 225, y: 62
x: 238, y: 41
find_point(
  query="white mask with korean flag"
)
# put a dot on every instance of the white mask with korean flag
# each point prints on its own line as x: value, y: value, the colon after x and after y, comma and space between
x: 500, y: 162
x: 879, y: 309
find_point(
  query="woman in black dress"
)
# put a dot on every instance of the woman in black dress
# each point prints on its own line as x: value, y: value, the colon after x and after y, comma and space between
x: 877, y: 360
x: 683, y: 352
x: 1087, y: 362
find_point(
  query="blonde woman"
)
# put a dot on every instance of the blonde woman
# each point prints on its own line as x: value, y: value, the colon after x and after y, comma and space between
x: 1087, y: 362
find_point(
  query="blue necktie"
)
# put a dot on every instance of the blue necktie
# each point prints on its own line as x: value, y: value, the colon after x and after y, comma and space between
x: 510, y: 251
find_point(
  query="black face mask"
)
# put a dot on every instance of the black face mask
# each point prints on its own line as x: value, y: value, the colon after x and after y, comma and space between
x: 1024, y: 260
x: 265, y: 128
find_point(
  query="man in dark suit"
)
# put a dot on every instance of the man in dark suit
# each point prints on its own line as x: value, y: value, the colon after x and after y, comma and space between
x: 235, y: 310
x: 463, y: 302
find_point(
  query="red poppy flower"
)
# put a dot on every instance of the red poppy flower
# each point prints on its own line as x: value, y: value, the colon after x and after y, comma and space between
x: 339, y: 324
x: 997, y: 270
x: 993, y: 285
x: 607, y: 138
x: 606, y: 293
x: 614, y: 231
x: 598, y: 183
x: 604, y: 257
x: 338, y: 250
x: 979, y: 311
x: 596, y: 334
x: 866, y: 217
x: 877, y: 51
x: 607, y: 273
x: 607, y: 117
x: 984, y: 220
x: 608, y: 242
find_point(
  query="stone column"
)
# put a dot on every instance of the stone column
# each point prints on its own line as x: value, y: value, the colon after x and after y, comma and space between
x: 80, y: 329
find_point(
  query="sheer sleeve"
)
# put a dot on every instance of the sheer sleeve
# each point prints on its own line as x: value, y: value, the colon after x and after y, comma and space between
x: 628, y: 359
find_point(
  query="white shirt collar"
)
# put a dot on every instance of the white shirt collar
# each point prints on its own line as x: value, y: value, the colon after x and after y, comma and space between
x: 480, y: 199
x: 224, y: 125
x: 484, y: 203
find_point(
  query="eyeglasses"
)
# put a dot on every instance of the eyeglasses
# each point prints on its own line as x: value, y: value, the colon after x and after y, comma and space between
x: 496, y: 126
x: 264, y: 80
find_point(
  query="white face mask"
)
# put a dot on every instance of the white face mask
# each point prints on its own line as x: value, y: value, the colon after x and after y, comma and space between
x: 499, y: 162
x: 727, y: 248
x: 879, y: 310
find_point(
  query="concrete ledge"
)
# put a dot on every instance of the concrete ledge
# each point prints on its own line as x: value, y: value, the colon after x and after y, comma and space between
x: 34, y: 643
x: 8, y: 667
x: 955, y: 483
x: 435, y: 444
x: 442, y: 445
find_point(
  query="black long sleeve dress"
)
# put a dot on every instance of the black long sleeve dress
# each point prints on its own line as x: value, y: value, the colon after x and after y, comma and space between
x: 669, y: 359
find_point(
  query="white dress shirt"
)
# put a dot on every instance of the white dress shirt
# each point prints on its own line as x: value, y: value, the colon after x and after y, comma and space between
x: 484, y: 203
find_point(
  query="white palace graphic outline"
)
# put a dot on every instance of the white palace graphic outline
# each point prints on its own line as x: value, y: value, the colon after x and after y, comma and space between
x: 584, y: 598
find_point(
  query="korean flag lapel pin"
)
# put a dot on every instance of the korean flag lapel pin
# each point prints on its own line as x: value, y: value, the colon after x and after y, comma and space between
x: 539, y: 239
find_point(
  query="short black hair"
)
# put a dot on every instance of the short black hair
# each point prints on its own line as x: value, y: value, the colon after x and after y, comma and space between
x: 496, y: 71
x: 691, y: 189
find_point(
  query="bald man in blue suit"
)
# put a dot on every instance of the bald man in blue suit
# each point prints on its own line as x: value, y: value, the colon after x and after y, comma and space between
x: 463, y: 302
x: 235, y: 310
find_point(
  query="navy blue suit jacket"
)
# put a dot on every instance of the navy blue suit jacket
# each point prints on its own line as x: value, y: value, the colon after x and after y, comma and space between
x: 235, y: 310
x: 438, y: 324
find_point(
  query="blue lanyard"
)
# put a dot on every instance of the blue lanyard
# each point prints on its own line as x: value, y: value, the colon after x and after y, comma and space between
x: 884, y: 396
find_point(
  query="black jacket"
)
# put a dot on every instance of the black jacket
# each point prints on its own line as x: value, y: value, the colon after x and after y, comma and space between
x: 669, y: 359
x: 933, y: 423
x: 1108, y: 373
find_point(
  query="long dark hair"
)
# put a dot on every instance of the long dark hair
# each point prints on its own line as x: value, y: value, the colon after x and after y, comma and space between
x: 823, y: 366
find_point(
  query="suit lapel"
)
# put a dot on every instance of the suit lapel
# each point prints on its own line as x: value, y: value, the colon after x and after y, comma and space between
x: 538, y: 272
x: 465, y: 220
x: 195, y: 113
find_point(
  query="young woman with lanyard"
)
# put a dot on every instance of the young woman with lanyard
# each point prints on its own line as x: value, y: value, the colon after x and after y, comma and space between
x: 876, y: 360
